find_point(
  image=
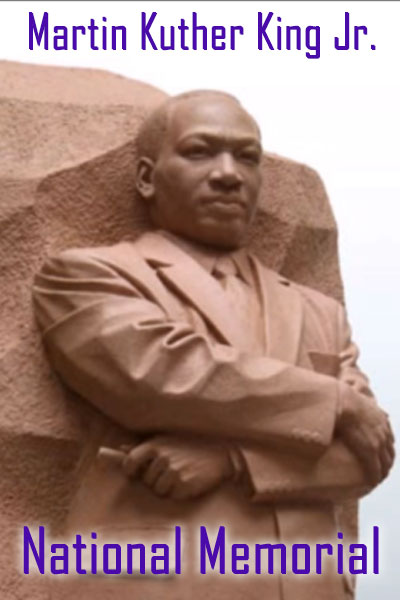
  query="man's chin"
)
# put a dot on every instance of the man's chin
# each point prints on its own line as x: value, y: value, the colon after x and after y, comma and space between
x: 227, y: 236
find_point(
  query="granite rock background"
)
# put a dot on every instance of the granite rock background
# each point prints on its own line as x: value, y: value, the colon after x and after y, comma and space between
x: 67, y: 179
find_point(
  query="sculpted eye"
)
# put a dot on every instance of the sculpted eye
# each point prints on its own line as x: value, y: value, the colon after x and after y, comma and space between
x: 196, y: 151
x: 249, y: 156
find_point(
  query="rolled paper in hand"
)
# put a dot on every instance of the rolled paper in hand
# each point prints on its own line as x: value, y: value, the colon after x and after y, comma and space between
x: 110, y: 456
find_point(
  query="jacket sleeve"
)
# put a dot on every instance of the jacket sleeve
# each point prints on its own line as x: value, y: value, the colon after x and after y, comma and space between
x: 282, y: 476
x: 336, y: 474
x: 114, y: 345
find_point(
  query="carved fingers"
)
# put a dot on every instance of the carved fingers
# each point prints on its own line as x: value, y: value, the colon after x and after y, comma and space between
x: 179, y: 468
x: 366, y: 429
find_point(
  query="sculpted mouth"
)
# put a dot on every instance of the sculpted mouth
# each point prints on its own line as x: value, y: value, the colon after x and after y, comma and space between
x: 226, y: 202
x: 225, y: 208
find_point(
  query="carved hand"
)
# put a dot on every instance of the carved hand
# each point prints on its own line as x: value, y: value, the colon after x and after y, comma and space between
x: 366, y: 430
x: 179, y: 468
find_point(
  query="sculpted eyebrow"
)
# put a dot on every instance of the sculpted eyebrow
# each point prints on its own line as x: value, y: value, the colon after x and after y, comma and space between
x: 212, y: 138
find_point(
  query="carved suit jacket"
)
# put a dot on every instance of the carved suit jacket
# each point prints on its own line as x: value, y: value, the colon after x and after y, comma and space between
x: 143, y: 331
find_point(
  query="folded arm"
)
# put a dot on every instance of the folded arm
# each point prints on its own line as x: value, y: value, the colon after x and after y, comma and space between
x: 278, y: 476
x: 359, y: 457
x: 116, y: 347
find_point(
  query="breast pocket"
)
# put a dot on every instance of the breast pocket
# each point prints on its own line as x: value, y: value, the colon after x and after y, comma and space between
x: 326, y: 364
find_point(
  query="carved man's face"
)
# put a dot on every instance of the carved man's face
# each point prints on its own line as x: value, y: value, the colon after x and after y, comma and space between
x: 205, y: 181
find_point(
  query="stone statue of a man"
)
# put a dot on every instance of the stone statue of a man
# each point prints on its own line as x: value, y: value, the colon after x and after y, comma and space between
x: 229, y: 370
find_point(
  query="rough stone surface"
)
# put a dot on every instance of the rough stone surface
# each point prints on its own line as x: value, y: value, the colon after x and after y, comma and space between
x: 67, y: 179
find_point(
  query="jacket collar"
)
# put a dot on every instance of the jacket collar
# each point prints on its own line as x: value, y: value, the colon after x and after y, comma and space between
x: 208, y: 257
x: 187, y: 277
x: 178, y: 265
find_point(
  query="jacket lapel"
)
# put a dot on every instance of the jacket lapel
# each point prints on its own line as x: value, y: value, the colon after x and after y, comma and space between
x: 186, y: 277
x: 144, y: 277
x: 283, y: 314
x: 281, y: 303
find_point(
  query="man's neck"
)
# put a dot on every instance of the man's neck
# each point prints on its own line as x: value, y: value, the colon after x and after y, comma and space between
x: 207, y: 256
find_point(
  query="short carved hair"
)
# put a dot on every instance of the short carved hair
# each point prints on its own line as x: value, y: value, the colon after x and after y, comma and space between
x: 152, y: 131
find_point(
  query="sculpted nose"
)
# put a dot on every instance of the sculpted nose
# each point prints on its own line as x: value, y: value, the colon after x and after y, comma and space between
x: 225, y: 173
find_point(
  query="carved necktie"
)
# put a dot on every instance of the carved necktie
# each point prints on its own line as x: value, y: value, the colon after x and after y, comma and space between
x: 243, y: 303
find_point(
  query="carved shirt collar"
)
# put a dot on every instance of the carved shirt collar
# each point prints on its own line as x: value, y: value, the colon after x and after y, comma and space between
x: 208, y: 257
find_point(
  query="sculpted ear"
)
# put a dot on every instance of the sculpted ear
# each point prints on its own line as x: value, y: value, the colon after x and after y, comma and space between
x: 144, y: 178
